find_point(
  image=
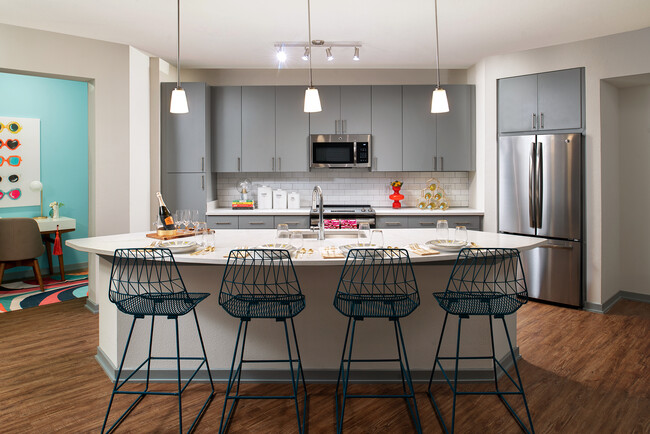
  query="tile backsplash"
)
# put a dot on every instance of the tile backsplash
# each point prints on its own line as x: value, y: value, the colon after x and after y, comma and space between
x: 348, y: 186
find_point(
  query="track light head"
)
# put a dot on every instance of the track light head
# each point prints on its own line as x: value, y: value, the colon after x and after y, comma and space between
x: 305, y: 56
x: 328, y: 51
x: 281, y: 55
x: 356, y: 54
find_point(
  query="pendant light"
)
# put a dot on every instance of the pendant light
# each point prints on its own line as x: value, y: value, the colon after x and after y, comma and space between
x: 179, y: 99
x: 439, y: 103
x: 312, y: 99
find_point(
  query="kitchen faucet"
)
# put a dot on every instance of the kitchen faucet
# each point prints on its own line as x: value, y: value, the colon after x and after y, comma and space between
x: 317, y: 192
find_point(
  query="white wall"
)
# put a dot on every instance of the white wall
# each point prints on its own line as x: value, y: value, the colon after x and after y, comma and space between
x: 611, y: 191
x: 634, y: 155
x: 611, y: 56
x: 139, y: 103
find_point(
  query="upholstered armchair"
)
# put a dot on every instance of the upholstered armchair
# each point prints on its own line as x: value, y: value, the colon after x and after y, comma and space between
x: 20, y: 245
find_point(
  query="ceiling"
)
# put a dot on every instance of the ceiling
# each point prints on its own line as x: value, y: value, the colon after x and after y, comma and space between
x: 394, y: 34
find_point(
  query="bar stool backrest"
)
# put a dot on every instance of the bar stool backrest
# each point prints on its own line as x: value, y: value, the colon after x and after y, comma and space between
x: 138, y: 272
x: 265, y: 273
x: 378, y: 273
x: 488, y: 272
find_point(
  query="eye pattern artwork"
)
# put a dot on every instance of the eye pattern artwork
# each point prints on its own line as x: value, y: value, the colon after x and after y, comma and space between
x: 20, y: 161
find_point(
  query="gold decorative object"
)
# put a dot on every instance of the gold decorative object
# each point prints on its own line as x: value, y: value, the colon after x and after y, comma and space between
x: 433, y: 196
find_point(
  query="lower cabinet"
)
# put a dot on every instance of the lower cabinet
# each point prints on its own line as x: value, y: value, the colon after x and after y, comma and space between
x: 471, y: 222
x: 222, y: 222
x: 392, y: 222
x: 256, y: 222
x: 292, y: 221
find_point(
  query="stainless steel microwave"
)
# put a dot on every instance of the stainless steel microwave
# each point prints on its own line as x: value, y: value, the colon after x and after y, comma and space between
x: 340, y: 150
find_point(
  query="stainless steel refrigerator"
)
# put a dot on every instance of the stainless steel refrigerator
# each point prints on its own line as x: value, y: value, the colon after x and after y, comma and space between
x: 541, y: 194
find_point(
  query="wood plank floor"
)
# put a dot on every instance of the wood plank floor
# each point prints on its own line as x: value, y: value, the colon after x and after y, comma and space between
x: 583, y: 373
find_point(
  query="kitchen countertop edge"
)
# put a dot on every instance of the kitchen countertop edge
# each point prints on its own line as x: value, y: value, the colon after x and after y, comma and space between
x: 380, y: 211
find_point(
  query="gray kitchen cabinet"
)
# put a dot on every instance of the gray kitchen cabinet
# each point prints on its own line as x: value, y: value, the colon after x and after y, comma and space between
x: 256, y: 222
x: 226, y: 128
x: 258, y: 129
x: 455, y: 146
x: 392, y: 222
x: 292, y: 221
x: 541, y: 102
x: 186, y: 191
x: 346, y: 110
x: 185, y: 138
x: 387, y: 128
x: 291, y: 130
x: 222, y: 222
x: 418, y: 129
x: 471, y: 222
x: 559, y: 100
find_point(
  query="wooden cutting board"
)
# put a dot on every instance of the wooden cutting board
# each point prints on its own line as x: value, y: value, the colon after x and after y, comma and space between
x: 179, y: 234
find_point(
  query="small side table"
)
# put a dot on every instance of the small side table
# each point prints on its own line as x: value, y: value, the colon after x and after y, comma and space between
x: 48, y: 227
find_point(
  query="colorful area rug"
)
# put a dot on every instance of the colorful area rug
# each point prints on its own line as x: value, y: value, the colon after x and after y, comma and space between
x: 22, y: 295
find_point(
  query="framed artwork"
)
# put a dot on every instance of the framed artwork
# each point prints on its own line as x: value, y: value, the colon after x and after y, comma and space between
x: 20, y: 161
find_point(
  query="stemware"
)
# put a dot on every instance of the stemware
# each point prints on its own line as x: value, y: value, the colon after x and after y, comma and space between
x: 282, y: 234
x: 377, y: 238
x: 460, y: 234
x: 297, y: 240
x: 194, y: 218
x: 363, y: 235
x: 184, y: 218
x: 442, y: 230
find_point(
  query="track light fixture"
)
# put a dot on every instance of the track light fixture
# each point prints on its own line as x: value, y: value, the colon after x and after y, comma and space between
x: 178, y: 103
x: 439, y: 102
x: 312, y: 99
x: 283, y: 49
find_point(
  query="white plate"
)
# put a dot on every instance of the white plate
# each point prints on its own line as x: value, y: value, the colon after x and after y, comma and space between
x: 450, y: 246
x: 288, y: 247
x: 347, y: 247
x: 178, y: 246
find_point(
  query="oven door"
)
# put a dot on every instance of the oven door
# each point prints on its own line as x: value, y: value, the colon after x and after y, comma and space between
x: 333, y: 154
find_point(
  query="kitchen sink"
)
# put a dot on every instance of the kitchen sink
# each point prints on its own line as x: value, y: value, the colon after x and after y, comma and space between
x: 329, y: 233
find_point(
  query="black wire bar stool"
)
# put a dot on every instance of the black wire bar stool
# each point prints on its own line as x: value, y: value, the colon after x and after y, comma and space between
x: 262, y: 283
x: 376, y: 283
x: 487, y: 282
x: 146, y: 282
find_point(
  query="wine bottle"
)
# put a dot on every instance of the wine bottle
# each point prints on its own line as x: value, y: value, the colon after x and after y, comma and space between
x: 165, y: 216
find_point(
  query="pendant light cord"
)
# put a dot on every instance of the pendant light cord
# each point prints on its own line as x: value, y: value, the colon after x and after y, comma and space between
x: 178, y: 44
x: 437, y: 44
x: 309, y: 26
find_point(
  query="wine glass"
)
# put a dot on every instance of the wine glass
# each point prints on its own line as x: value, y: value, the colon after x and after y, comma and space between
x: 195, y: 218
x: 297, y: 240
x: 377, y: 238
x: 177, y: 219
x: 282, y: 234
x: 185, y: 217
x: 442, y: 230
x: 363, y: 235
x: 460, y: 235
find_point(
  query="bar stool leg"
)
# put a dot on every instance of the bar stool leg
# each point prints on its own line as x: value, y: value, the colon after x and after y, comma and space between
x: 178, y: 367
x: 346, y: 378
x: 231, y: 378
x: 294, y: 378
x: 338, y: 380
x: 453, y: 410
x: 494, y: 360
x: 117, y: 385
x: 521, y: 386
x: 407, y: 373
x: 433, y: 370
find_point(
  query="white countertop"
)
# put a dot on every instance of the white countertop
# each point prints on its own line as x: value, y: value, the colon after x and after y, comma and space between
x: 230, y: 239
x: 383, y: 211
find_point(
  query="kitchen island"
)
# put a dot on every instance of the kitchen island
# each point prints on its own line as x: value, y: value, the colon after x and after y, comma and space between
x: 320, y: 328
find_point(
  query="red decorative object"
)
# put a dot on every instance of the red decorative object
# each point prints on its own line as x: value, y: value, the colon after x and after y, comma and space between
x: 57, y: 243
x: 396, y: 197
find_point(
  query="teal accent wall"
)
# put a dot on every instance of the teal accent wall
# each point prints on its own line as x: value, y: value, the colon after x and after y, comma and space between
x: 62, y: 107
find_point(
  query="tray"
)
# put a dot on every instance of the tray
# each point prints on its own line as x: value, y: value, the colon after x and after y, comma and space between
x: 179, y: 234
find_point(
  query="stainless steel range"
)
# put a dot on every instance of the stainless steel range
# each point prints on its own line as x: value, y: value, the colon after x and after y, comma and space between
x: 360, y: 213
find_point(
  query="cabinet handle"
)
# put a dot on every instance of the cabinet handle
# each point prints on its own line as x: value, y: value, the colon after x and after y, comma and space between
x: 255, y: 223
x: 291, y: 223
x: 238, y: 164
x: 435, y: 164
x: 202, y: 182
x: 336, y: 127
x: 393, y: 223
x: 534, y: 120
x: 279, y: 164
x: 541, y: 119
x: 344, y: 126
x: 272, y: 164
x: 442, y: 164
x: 427, y: 223
x: 222, y: 223
x: 374, y: 164
x: 202, y: 164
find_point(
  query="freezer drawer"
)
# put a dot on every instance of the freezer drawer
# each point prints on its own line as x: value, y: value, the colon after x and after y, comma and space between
x: 554, y: 272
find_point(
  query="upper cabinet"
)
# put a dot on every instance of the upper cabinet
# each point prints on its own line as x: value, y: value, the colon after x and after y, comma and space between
x: 185, y: 138
x: 455, y: 131
x: 226, y: 128
x: 418, y: 129
x: 387, y: 128
x: 291, y: 130
x: 346, y: 110
x: 258, y: 129
x: 541, y: 102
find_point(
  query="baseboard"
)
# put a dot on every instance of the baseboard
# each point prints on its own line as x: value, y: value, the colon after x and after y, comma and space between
x: 91, y: 306
x: 620, y: 295
x: 320, y: 376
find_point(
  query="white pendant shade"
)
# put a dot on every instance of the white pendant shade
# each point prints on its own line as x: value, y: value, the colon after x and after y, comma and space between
x: 179, y: 101
x: 439, y: 103
x: 312, y: 100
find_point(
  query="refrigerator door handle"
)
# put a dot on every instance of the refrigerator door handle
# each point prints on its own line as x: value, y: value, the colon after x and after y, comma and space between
x: 554, y: 246
x: 540, y: 186
x: 531, y: 185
